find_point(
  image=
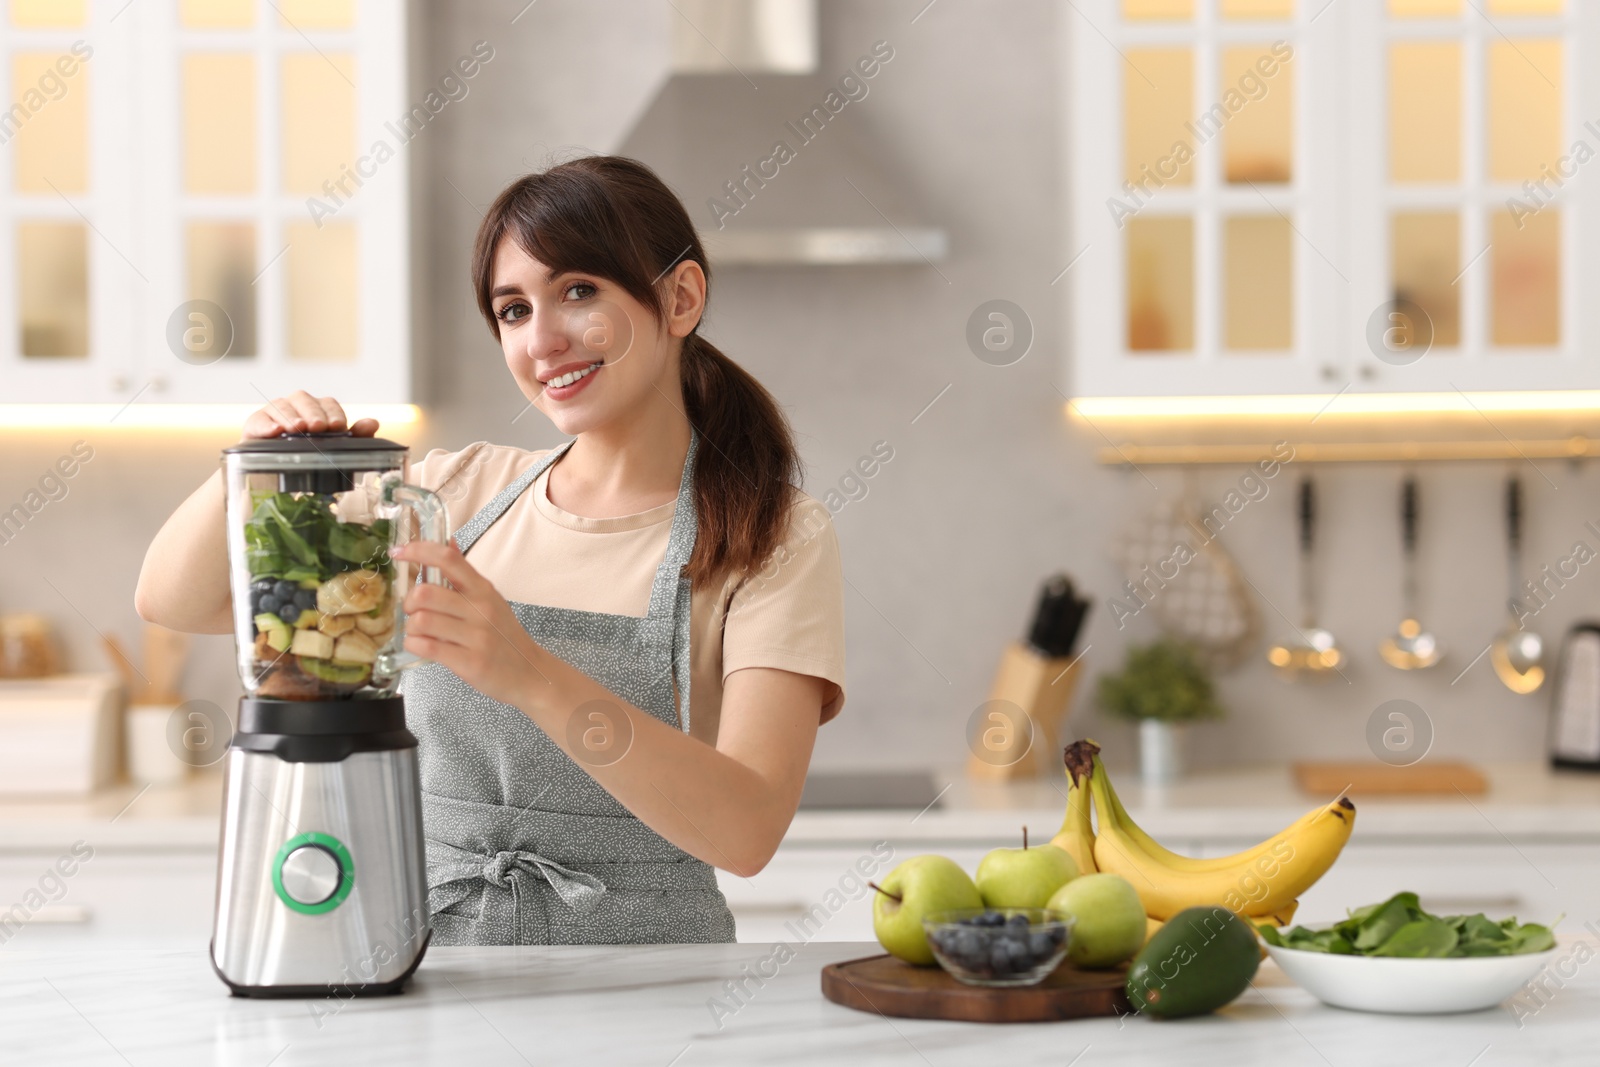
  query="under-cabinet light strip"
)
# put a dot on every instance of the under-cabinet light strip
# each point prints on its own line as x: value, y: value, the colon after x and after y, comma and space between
x: 1091, y: 408
x: 172, y: 416
x: 1130, y: 455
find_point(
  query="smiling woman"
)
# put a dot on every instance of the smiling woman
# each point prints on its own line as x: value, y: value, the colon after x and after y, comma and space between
x: 598, y: 729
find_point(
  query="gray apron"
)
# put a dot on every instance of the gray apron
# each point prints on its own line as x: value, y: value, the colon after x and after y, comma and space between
x: 523, y: 846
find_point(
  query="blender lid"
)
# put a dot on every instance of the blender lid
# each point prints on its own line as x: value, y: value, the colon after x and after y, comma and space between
x: 325, y: 441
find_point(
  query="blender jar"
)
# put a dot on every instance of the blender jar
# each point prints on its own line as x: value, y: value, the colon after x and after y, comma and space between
x: 316, y: 596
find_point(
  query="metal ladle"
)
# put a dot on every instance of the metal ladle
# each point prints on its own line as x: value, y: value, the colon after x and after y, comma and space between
x: 1412, y: 648
x: 1317, y: 655
x: 1517, y: 652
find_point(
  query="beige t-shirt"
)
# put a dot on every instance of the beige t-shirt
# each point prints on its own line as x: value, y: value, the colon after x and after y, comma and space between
x: 788, y: 615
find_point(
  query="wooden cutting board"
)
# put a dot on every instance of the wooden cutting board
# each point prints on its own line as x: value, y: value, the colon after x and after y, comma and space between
x: 885, y: 985
x: 1429, y: 777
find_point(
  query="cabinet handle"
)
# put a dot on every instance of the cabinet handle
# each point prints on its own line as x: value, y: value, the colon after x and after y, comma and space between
x: 1465, y: 905
x: 771, y: 908
x: 61, y: 915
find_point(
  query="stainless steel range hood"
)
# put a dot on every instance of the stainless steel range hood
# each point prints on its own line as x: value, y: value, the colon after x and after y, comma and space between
x: 768, y: 151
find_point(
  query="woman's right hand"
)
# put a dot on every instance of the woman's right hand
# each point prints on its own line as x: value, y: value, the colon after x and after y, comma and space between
x: 300, y: 412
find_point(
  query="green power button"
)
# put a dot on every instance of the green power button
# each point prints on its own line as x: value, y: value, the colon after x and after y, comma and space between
x: 313, y: 873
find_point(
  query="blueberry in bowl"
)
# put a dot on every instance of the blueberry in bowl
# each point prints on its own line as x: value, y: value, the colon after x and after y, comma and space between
x: 998, y: 946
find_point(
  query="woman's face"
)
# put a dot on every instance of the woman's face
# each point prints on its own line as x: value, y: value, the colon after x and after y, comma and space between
x: 583, y: 350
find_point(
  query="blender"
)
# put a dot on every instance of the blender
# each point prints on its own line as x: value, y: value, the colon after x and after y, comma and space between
x: 321, y: 882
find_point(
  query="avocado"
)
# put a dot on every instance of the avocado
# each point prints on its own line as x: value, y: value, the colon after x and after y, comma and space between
x: 341, y: 673
x: 308, y: 583
x: 307, y: 619
x: 277, y: 631
x: 1201, y: 959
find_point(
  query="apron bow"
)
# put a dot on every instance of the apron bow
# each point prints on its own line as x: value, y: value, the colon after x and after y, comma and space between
x: 581, y: 891
x: 454, y: 870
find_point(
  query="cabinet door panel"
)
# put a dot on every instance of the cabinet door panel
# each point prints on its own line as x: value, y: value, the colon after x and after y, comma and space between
x: 143, y: 897
x: 1534, y: 883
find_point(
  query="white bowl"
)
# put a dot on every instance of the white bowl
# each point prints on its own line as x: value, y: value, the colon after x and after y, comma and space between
x: 1409, y: 986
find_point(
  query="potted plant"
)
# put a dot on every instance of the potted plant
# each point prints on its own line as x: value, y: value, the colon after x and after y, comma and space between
x: 1162, y: 686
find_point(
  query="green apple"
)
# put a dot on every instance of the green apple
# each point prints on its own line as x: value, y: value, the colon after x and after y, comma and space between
x: 1108, y: 919
x: 1024, y: 877
x: 918, y: 886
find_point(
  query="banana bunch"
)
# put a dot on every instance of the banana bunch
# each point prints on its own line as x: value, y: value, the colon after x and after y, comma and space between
x: 1262, y: 883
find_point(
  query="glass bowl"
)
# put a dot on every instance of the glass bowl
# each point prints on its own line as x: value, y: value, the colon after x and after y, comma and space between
x: 998, y: 946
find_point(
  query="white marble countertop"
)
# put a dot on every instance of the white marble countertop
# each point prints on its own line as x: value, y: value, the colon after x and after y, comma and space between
x: 1525, y: 802
x: 655, y: 1006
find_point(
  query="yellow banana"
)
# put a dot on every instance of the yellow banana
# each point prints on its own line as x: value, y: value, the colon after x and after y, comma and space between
x: 1157, y: 851
x: 1259, y: 885
x: 1076, y: 836
x: 1279, y: 917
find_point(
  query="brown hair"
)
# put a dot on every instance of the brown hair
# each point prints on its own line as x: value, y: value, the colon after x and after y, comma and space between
x: 613, y: 217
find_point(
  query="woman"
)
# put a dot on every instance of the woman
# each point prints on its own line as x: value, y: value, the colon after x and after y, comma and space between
x: 627, y: 675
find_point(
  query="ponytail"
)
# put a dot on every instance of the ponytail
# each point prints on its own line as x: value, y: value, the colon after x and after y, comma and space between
x: 745, y: 466
x: 612, y: 216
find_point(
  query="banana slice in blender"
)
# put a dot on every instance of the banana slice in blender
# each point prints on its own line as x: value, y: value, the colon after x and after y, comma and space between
x: 375, y: 625
x: 337, y: 625
x: 351, y: 593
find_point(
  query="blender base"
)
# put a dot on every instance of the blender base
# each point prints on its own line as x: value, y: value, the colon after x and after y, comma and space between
x: 342, y: 991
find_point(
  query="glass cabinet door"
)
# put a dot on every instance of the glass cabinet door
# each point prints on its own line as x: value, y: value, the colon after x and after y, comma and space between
x: 1466, y: 205
x: 204, y: 200
x: 68, y: 261
x: 1291, y: 197
x: 1205, y: 263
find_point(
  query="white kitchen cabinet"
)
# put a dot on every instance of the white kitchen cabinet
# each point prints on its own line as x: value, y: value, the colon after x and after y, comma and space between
x: 1536, y: 883
x: 153, y: 873
x: 1252, y: 197
x: 811, y: 893
x: 165, y: 897
x: 256, y: 167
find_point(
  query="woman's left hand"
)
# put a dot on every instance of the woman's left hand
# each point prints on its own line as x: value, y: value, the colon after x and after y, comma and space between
x: 469, y: 628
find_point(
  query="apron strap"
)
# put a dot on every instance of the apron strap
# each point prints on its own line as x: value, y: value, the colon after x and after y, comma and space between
x: 680, y: 541
x: 474, y: 527
x: 670, y: 597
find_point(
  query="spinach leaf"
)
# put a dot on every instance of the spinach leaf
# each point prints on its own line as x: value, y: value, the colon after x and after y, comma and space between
x: 1531, y: 937
x: 1361, y: 915
x: 1309, y: 940
x: 1427, y: 937
x: 1380, y: 924
x: 1399, y: 927
x: 1272, y: 935
x: 297, y: 538
x: 1481, y: 927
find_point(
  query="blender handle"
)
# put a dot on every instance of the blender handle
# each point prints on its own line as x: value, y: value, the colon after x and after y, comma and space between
x: 433, y: 524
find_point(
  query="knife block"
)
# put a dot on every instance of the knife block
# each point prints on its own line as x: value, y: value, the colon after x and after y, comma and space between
x: 1040, y: 687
